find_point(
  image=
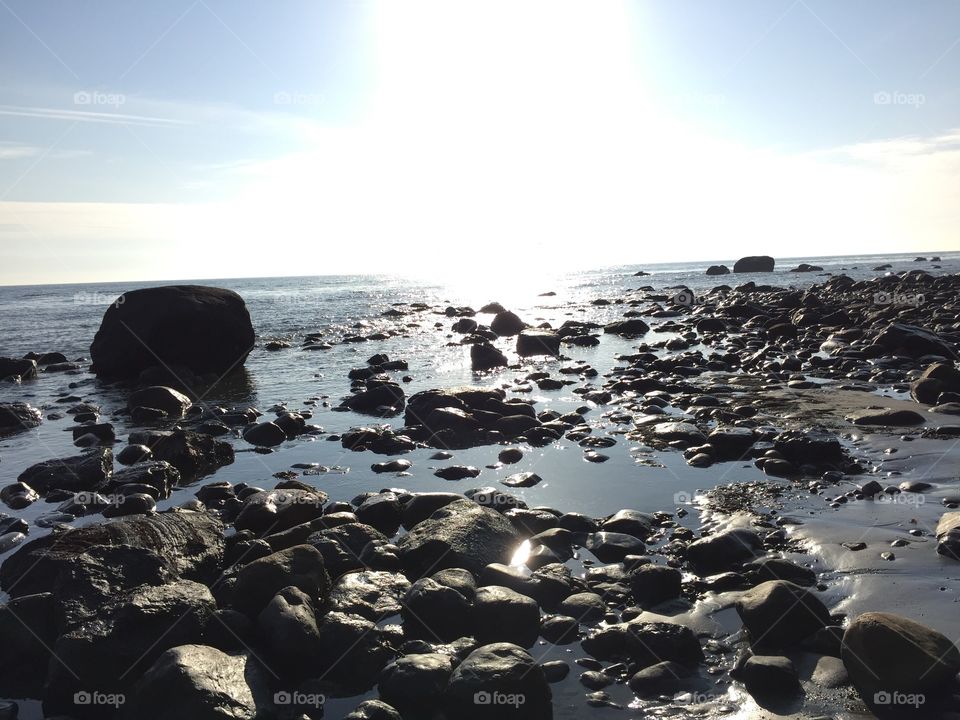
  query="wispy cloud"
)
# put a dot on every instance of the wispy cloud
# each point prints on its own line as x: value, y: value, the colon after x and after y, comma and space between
x: 90, y: 116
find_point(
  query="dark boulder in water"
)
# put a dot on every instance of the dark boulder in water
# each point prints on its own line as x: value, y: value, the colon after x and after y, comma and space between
x: 914, y: 341
x: 754, y: 263
x: 718, y: 270
x: 507, y: 323
x: 173, y: 403
x: 17, y: 367
x: 537, y: 342
x: 16, y: 417
x: 484, y: 356
x: 383, y: 398
x: 633, y: 326
x: 191, y: 453
x: 89, y: 471
x: 203, y: 329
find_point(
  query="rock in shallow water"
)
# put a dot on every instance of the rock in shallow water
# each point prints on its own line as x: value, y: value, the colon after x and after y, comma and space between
x: 887, y: 653
x: 204, y: 329
x: 462, y: 534
x: 498, y: 681
x: 779, y: 614
x: 17, y: 417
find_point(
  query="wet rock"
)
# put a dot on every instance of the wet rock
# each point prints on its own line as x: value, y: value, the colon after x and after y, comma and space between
x: 27, y: 625
x: 768, y: 677
x: 352, y: 652
x: 524, y: 479
x: 185, y: 544
x: 271, y: 511
x: 198, y: 681
x: 18, y: 495
x: 684, y: 433
x: 585, y: 607
x: 663, y: 678
x: 779, y: 569
x: 630, y: 327
x: 500, y: 614
x: 814, y: 446
x: 416, y: 682
x: 204, y: 329
x: 383, y: 398
x: 805, y: 267
x: 393, y: 466
x: 644, y: 643
x: 653, y: 584
x: 559, y: 630
x: 885, y: 653
x: 265, y: 434
x: 731, y: 443
x: 631, y: 522
x: 778, y: 614
x: 723, y: 551
x: 510, y: 456
x: 537, y: 342
x: 132, y: 504
x: 948, y: 535
x: 497, y: 681
x: 158, y: 397
x: 133, y: 454
x: 373, y: 710
x: 914, y: 341
x: 288, y: 630
x: 457, y: 472
x: 718, y: 270
x: 889, y: 417
x: 484, y: 356
x: 259, y: 581
x: 23, y: 368
x: 435, y: 611
x: 129, y: 634
x: 462, y: 534
x: 191, y: 453
x: 380, y: 440
x: 160, y: 477
x: 382, y: 511
x: 88, y: 471
x: 422, y: 505
x: 372, y: 594
x: 610, y: 547
x: 754, y: 263
x: 506, y: 324
x: 17, y: 417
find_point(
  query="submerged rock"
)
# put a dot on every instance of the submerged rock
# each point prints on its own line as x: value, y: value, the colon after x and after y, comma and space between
x: 17, y: 417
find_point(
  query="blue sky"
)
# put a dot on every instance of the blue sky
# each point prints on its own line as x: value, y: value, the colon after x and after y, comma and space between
x: 213, y: 138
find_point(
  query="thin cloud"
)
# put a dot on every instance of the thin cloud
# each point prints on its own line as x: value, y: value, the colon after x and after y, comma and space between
x: 108, y: 118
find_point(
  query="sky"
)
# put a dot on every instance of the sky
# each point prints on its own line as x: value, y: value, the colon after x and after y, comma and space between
x: 240, y: 138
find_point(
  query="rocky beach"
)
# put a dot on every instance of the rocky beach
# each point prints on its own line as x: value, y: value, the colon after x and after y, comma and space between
x: 728, y: 492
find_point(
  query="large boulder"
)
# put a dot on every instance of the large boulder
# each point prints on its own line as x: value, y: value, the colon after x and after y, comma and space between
x: 204, y: 329
x: 935, y: 379
x: 127, y: 635
x: 201, y: 683
x: 187, y: 544
x: 723, y: 550
x: 886, y: 653
x: 718, y: 270
x: 754, y: 263
x: 300, y: 566
x: 273, y: 511
x: 507, y: 323
x: 462, y: 534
